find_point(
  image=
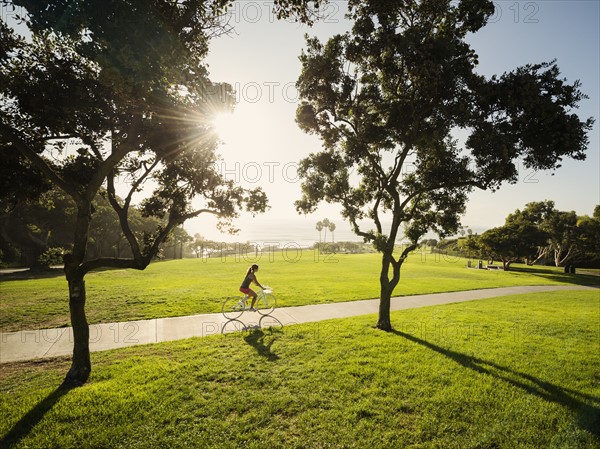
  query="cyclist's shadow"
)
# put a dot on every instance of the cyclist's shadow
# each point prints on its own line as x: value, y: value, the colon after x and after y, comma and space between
x: 237, y: 325
x: 256, y: 339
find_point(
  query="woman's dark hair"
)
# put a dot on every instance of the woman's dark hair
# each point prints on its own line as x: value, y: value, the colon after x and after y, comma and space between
x: 252, y: 268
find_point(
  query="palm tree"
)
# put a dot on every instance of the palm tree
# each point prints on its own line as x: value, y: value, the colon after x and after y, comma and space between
x: 332, y: 229
x: 326, y: 224
x: 319, y: 228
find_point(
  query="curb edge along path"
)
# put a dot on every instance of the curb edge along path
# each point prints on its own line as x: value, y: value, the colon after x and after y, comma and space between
x: 48, y: 343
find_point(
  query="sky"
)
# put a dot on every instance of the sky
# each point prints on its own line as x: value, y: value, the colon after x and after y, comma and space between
x: 262, y: 144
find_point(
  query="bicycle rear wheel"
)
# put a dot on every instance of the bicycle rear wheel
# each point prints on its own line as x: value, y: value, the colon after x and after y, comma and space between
x: 232, y: 309
x: 265, y: 304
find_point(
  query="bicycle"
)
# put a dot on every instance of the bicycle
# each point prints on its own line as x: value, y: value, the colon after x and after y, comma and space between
x: 233, y: 307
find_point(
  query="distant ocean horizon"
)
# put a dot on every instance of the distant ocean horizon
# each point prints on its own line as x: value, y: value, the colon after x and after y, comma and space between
x: 286, y: 232
x: 282, y: 232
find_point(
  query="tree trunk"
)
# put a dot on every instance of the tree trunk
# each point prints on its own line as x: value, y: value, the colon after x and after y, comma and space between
x: 559, y: 259
x: 384, y: 321
x: 81, y: 365
x: 541, y: 254
x: 388, y: 285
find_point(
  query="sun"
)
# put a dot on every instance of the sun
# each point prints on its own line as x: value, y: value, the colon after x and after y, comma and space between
x: 247, y: 128
x: 224, y: 125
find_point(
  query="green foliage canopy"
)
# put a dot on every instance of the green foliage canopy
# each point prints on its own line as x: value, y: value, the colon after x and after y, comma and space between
x: 390, y: 94
x: 570, y: 237
x: 124, y: 82
x: 118, y: 90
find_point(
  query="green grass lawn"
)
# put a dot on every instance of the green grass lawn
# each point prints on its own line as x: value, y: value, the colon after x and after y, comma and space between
x: 512, y: 372
x: 192, y: 286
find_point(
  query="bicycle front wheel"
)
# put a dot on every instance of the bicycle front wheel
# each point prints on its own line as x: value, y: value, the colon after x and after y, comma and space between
x: 266, y: 304
x: 232, y: 309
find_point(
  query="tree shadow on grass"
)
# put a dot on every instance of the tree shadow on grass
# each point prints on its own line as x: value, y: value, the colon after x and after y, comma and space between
x: 588, y: 415
x: 26, y: 424
x: 47, y: 273
x: 587, y: 280
x: 256, y: 339
x: 29, y: 274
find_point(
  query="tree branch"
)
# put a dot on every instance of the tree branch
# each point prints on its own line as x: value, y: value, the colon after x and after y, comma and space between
x: 199, y: 212
x: 376, y: 215
x: 406, y: 252
x: 139, y: 181
x: 375, y: 165
x: 122, y: 213
x: 174, y: 221
x: 399, y: 162
x: 347, y: 122
x: 397, y: 264
x: 416, y: 193
x: 89, y: 142
x: 356, y: 229
x: 39, y: 162
x: 115, y: 157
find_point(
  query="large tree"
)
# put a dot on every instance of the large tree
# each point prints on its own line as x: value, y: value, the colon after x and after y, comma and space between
x: 114, y: 94
x: 565, y: 236
x: 570, y: 237
x: 536, y: 214
x: 386, y: 100
x: 589, y: 228
x: 512, y: 242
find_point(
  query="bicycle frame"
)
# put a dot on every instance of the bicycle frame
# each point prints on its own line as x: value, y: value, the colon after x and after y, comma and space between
x: 264, y: 304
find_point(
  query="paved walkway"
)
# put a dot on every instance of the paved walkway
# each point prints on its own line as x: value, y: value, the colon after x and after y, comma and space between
x: 46, y: 343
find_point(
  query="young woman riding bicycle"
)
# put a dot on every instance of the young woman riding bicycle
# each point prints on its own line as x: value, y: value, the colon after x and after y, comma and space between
x: 245, y: 287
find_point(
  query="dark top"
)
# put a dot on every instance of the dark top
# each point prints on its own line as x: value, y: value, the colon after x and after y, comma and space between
x: 247, y: 280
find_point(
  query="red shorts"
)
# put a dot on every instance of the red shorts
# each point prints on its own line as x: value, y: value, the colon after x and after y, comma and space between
x: 247, y: 291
